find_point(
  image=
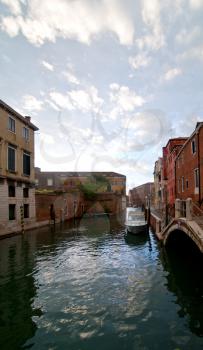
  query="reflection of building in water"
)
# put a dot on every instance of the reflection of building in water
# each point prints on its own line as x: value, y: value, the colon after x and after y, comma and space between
x: 17, y: 291
x: 184, y: 279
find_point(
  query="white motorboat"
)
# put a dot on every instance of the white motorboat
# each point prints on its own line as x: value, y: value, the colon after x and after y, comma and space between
x: 135, y: 221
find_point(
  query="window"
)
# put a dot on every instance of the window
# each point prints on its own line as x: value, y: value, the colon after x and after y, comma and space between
x: 12, y: 211
x: 183, y: 183
x: 26, y: 164
x: 178, y: 185
x: 26, y: 211
x: 49, y: 182
x: 26, y: 133
x: 11, y: 158
x: 25, y: 192
x: 11, y: 124
x: 193, y: 145
x: 187, y: 184
x: 196, y: 173
x: 182, y: 157
x: 11, y: 191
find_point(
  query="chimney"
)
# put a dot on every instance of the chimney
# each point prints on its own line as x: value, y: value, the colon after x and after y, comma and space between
x: 28, y: 119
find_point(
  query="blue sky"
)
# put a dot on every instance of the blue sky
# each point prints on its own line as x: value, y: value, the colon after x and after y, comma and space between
x: 107, y: 82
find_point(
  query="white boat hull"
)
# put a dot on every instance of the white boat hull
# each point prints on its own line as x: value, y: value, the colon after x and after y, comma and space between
x: 135, y: 221
x: 137, y: 229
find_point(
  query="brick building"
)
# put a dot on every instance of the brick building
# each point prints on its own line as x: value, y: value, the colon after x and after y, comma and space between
x: 75, y: 194
x: 67, y: 180
x: 170, y: 152
x: 17, y: 182
x: 189, y: 167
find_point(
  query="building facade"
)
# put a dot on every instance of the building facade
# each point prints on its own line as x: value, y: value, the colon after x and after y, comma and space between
x: 17, y: 182
x: 189, y: 167
x: 170, y: 152
x: 159, y: 185
x: 74, y: 194
x: 138, y: 195
x: 106, y: 181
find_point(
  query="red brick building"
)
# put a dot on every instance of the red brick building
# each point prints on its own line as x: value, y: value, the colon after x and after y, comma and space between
x: 189, y: 167
x: 170, y: 152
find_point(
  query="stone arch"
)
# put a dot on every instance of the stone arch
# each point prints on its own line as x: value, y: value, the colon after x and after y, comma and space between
x: 187, y: 229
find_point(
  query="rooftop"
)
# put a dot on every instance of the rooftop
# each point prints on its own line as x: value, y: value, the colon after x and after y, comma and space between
x: 12, y: 112
x: 79, y: 173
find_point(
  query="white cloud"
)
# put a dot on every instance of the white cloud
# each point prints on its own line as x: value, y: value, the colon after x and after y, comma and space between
x: 196, y: 4
x: 47, y: 138
x: 193, y: 53
x: 13, y: 5
x: 83, y: 100
x: 172, y: 73
x: 114, y: 113
x: 125, y: 99
x: 186, y: 125
x: 86, y: 100
x: 31, y: 103
x: 140, y: 60
x: 114, y: 86
x: 145, y: 130
x: 47, y: 65
x: 71, y: 78
x: 187, y: 36
x: 151, y: 15
x: 10, y: 26
x: 61, y: 100
x: 81, y: 20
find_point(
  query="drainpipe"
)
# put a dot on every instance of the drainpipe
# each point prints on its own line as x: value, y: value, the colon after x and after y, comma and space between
x: 199, y: 168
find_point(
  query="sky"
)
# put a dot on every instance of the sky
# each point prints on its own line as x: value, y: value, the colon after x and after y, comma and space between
x: 107, y: 82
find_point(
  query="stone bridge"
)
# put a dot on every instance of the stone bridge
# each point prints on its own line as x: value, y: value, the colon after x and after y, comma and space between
x: 189, y: 227
x: 188, y: 219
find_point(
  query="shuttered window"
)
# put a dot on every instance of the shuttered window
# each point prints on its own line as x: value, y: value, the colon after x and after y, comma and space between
x: 11, y: 124
x: 193, y: 145
x: 12, y: 211
x: 26, y: 164
x: 26, y: 211
x: 196, y: 174
x: 25, y: 133
x: 11, y: 158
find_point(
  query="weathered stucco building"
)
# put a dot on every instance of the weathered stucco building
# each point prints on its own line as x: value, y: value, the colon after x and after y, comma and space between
x: 17, y: 182
x: 159, y: 184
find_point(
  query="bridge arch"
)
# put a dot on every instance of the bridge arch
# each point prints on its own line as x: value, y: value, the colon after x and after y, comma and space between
x: 186, y: 228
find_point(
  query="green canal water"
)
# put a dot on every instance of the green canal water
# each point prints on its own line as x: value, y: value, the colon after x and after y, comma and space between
x: 87, y: 286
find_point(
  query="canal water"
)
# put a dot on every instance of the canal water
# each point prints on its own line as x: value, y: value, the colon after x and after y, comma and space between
x: 87, y: 286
